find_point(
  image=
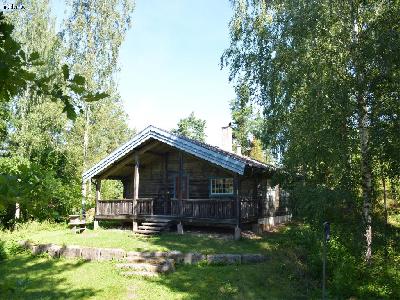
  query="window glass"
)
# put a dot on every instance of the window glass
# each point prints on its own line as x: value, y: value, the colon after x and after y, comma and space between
x: 222, y: 186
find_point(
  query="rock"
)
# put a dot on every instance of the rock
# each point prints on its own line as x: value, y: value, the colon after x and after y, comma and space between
x: 160, y: 266
x: 140, y: 273
x: 167, y: 266
x: 193, y: 258
x: 253, y: 258
x: 26, y: 244
x: 90, y: 253
x: 237, y: 233
x: 54, y: 251
x: 34, y: 249
x: 70, y: 251
x: 224, y: 258
x: 133, y: 254
x: 175, y: 255
x: 42, y: 248
x: 112, y: 254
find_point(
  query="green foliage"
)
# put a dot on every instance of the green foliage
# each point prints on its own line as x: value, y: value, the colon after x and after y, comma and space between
x: 242, y: 114
x: 40, y: 192
x: 256, y: 151
x: 192, y: 127
x: 20, y: 73
x: 42, y: 148
x: 326, y: 76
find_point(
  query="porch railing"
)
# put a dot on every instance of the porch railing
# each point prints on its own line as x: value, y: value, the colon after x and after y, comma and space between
x: 187, y: 208
x: 114, y: 207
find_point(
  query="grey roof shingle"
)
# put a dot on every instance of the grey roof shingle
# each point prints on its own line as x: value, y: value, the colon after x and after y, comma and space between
x: 215, y: 155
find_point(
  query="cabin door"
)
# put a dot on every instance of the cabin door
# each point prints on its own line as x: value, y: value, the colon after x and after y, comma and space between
x: 185, y: 187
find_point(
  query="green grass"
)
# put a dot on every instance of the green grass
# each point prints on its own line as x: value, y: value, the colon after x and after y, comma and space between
x: 167, y: 241
x: 293, y: 270
x: 28, y: 277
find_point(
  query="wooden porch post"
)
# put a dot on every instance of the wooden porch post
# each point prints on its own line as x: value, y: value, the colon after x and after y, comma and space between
x: 236, y: 192
x: 165, y: 182
x: 83, y: 199
x: 180, y: 227
x: 98, y: 197
x: 135, y: 190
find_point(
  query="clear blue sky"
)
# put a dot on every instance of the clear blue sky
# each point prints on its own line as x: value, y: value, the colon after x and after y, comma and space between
x: 170, y: 64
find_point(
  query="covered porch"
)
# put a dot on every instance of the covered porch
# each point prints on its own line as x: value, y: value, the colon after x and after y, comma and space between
x: 169, y: 177
x: 223, y: 211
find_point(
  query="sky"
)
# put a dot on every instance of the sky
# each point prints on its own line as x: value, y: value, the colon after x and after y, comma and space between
x: 170, y: 64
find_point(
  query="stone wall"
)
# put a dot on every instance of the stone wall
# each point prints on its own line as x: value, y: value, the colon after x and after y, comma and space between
x: 103, y: 254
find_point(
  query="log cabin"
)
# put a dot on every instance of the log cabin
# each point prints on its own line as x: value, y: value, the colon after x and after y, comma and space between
x: 171, y: 179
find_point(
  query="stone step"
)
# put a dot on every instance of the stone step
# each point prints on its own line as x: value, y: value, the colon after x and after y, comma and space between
x: 155, y: 224
x: 146, y: 227
x: 158, y: 220
x: 141, y: 231
x: 149, y: 266
x: 139, y: 273
x: 138, y: 259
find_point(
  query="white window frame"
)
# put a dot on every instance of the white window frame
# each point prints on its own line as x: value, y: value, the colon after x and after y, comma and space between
x: 213, y: 186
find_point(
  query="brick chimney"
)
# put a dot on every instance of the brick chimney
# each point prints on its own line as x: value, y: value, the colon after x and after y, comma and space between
x: 227, y: 138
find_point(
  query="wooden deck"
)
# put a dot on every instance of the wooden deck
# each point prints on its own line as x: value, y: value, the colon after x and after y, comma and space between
x: 215, y: 211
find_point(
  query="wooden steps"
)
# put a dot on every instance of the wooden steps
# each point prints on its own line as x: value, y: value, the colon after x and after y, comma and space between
x: 153, y: 226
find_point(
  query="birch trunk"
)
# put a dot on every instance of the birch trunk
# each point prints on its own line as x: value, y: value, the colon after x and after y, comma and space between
x: 366, y: 173
x: 363, y: 125
x: 87, y: 189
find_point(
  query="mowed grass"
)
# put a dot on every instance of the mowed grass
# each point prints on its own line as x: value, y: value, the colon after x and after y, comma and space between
x: 27, y: 277
x: 24, y: 276
x: 125, y: 239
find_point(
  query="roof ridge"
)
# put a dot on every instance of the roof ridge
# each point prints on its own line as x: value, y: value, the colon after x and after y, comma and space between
x: 226, y: 159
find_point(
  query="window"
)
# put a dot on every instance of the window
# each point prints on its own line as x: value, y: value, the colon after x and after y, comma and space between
x: 221, y: 186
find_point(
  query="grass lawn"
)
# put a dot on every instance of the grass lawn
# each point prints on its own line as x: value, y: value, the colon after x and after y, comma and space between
x: 28, y: 277
x: 189, y: 242
x: 24, y: 276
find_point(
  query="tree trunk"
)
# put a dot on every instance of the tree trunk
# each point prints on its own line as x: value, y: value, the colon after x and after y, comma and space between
x: 363, y: 125
x: 86, y: 148
x: 365, y: 172
x: 17, y: 211
x: 386, y: 213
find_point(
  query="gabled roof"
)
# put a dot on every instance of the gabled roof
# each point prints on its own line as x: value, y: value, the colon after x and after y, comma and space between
x: 228, y: 160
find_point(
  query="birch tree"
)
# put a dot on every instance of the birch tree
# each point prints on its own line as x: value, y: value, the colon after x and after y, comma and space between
x: 325, y: 74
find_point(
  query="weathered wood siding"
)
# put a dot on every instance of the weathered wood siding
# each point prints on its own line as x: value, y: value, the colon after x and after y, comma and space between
x: 154, y: 183
x: 196, y: 172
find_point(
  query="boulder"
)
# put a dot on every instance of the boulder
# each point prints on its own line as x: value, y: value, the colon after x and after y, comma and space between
x: 175, y: 255
x: 253, y: 258
x: 88, y: 253
x: 112, y: 254
x: 193, y: 258
x: 224, y: 258
x: 42, y: 248
x: 70, y: 251
x: 54, y: 251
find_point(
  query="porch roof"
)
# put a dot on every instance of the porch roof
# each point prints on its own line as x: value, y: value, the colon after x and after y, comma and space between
x: 227, y: 160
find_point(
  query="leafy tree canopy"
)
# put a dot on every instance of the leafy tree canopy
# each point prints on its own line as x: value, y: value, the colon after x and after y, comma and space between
x: 192, y: 127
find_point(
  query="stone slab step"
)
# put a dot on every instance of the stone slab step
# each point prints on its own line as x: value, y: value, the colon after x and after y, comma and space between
x: 166, y: 266
x: 158, y: 220
x: 140, y: 273
x: 156, y: 224
x: 138, y: 259
x: 141, y: 231
x: 145, y: 227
